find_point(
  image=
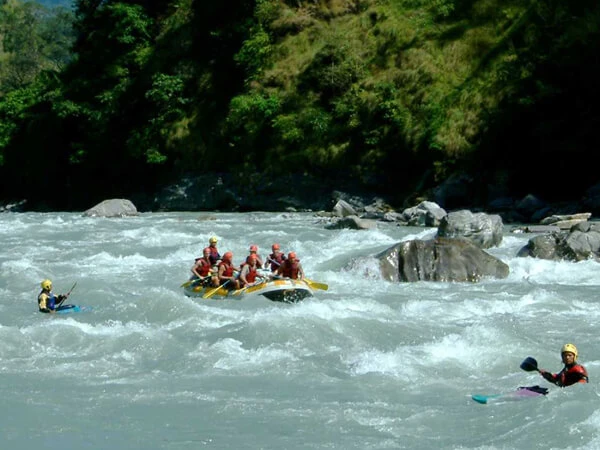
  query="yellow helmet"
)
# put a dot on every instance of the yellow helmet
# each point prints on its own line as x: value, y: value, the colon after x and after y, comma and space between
x: 213, y: 240
x: 569, y: 348
x: 46, y: 285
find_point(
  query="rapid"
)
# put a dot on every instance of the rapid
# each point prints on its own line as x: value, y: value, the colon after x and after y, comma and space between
x: 367, y: 364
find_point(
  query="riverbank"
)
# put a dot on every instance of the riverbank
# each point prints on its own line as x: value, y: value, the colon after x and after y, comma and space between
x: 303, y: 192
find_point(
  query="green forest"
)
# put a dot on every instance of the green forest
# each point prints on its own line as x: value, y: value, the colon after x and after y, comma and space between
x: 108, y: 98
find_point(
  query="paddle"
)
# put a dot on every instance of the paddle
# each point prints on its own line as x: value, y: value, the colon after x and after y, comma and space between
x: 212, y: 292
x: 316, y: 284
x: 256, y: 283
x: 194, y: 281
x: 66, y: 295
x: 529, y: 364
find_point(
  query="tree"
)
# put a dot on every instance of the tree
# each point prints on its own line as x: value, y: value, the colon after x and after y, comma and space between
x: 34, y: 39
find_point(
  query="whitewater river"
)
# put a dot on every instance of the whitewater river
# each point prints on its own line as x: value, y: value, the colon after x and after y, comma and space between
x: 368, y: 364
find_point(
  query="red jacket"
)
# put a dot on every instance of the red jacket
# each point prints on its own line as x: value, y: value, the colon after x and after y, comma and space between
x: 204, y: 266
x: 289, y: 269
x: 572, y: 374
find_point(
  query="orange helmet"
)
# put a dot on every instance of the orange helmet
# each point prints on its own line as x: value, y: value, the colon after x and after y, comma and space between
x: 228, y: 256
x: 252, y: 257
x: 275, y: 246
x: 253, y: 248
x: 292, y: 255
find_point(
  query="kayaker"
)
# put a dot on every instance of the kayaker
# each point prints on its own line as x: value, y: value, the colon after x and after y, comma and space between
x: 275, y: 259
x: 291, y: 268
x: 47, y: 300
x: 226, y: 273
x: 572, y: 373
x: 254, y: 251
x: 249, y: 272
x: 202, y: 269
x: 215, y: 257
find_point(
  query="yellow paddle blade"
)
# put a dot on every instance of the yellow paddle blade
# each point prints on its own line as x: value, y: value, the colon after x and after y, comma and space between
x: 194, y: 281
x: 239, y: 291
x: 212, y: 292
x: 316, y: 284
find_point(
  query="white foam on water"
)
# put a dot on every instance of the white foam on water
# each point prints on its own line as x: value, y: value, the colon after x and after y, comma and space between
x: 367, y: 363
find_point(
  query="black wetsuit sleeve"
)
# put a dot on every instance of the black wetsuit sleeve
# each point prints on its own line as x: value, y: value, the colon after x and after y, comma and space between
x: 550, y: 377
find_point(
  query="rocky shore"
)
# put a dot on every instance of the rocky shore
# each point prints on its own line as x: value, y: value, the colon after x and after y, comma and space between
x: 302, y: 192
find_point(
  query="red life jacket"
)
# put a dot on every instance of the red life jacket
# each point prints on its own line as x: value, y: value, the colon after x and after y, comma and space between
x: 571, y: 375
x: 252, y: 273
x: 204, y: 267
x: 290, y: 270
x: 228, y: 272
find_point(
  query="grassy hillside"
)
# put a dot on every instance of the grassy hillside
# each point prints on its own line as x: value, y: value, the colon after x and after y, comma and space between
x: 402, y: 88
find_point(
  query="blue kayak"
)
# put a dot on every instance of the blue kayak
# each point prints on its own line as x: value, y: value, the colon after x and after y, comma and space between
x: 68, y: 309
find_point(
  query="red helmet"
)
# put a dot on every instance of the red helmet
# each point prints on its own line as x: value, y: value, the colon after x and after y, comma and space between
x: 275, y: 246
x: 252, y: 257
x: 253, y: 248
x: 228, y: 256
x: 206, y: 250
x: 292, y: 255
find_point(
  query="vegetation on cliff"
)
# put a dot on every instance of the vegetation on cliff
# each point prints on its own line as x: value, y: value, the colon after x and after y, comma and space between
x: 394, y: 94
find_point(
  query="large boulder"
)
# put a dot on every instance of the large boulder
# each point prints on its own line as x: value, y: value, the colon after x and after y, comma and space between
x: 582, y: 242
x: 439, y: 259
x: 425, y: 214
x: 483, y: 230
x: 343, y: 209
x: 116, y: 207
x: 352, y: 223
x: 542, y: 246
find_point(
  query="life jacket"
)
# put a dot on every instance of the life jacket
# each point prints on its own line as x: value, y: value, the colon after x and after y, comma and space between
x: 205, y: 267
x: 576, y: 373
x: 252, y: 273
x: 46, y: 302
x: 228, y: 272
x: 214, y: 255
x: 290, y: 270
x: 276, y: 260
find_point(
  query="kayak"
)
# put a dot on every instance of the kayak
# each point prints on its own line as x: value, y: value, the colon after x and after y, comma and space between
x: 282, y: 290
x: 68, y: 309
x: 522, y: 393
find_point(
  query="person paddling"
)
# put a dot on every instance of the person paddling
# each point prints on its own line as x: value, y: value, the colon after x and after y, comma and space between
x: 291, y: 268
x: 226, y: 274
x: 202, y: 269
x: 572, y: 373
x: 47, y: 300
x: 275, y: 259
x: 254, y: 251
x: 249, y: 273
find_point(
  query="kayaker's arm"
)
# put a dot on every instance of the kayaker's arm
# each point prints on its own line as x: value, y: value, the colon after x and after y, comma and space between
x: 552, y: 378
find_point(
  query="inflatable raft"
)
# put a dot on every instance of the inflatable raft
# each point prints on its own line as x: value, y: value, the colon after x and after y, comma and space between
x: 281, y: 290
